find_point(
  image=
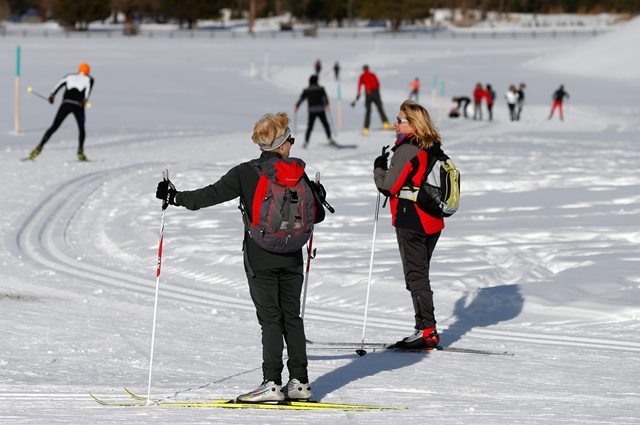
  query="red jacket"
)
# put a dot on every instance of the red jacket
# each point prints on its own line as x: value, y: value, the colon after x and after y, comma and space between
x: 479, y: 94
x: 369, y: 81
x: 407, y: 168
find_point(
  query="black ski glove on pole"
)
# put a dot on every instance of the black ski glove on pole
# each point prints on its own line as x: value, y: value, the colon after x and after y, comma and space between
x: 321, y: 191
x: 167, y: 192
x: 381, y: 161
x: 353, y: 104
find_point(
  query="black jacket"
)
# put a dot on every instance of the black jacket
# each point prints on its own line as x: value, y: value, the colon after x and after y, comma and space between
x: 241, y: 181
x: 316, y: 98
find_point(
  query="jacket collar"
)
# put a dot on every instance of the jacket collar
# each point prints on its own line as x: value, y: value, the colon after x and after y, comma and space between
x: 404, y: 139
x: 268, y: 155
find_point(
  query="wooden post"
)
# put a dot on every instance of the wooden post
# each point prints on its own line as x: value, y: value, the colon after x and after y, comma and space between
x: 339, y: 106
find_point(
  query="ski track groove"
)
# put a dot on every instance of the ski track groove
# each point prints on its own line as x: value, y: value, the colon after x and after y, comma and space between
x: 42, y: 237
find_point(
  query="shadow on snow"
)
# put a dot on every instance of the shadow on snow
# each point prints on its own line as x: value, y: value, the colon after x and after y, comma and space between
x: 489, y: 307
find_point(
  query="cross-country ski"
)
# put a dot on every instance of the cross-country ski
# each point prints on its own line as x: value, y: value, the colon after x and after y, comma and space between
x: 235, y: 404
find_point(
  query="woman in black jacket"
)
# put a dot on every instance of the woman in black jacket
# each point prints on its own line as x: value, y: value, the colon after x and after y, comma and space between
x: 275, y: 278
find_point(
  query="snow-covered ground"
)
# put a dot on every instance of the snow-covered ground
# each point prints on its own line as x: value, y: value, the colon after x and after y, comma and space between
x: 542, y: 260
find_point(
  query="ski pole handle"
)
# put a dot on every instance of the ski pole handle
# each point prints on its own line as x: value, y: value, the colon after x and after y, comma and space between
x: 165, y: 201
x: 35, y: 93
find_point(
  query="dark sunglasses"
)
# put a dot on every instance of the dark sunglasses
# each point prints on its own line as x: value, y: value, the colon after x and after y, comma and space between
x: 291, y: 140
x: 401, y: 121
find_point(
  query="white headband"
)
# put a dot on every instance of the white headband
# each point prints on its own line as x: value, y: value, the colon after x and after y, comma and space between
x: 277, y: 142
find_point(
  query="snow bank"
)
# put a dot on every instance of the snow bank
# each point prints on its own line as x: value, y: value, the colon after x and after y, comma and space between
x: 611, y: 56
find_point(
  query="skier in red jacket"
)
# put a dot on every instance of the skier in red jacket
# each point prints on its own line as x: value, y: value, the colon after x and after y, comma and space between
x: 479, y: 93
x: 371, y: 85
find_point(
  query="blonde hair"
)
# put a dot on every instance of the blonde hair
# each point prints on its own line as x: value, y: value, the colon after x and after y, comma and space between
x: 268, y: 128
x: 424, y: 130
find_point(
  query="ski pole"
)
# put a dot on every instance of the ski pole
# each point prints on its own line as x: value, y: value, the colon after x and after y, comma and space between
x: 40, y: 95
x: 362, y: 351
x: 165, y: 203
x: 311, y: 254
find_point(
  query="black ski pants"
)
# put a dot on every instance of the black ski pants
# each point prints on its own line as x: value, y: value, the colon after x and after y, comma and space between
x: 512, y: 111
x: 373, y: 97
x: 65, y: 109
x: 276, y: 296
x: 416, y: 249
x: 312, y: 119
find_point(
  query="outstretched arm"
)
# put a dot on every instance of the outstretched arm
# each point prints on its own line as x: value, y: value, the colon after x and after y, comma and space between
x: 225, y: 189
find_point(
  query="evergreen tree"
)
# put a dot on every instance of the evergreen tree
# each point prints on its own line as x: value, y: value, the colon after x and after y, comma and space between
x: 78, y: 14
x: 394, y: 10
x: 190, y: 11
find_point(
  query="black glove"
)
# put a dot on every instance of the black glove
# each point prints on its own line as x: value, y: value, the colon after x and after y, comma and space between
x: 381, y: 161
x: 353, y: 104
x: 167, y: 192
x: 320, y: 190
x: 51, y: 99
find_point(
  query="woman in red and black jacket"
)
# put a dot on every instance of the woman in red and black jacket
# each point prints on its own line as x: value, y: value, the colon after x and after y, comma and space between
x: 275, y: 278
x: 417, y: 231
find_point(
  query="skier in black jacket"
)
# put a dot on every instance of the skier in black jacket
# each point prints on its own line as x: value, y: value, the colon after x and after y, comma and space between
x: 76, y: 95
x: 275, y: 279
x: 317, y: 103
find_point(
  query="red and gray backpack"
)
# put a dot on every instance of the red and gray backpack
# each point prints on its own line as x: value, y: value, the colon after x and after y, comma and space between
x: 283, y: 212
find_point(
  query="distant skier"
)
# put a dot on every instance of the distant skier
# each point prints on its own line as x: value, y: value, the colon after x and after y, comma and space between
x: 336, y: 70
x: 76, y: 94
x: 415, y: 89
x: 371, y: 85
x: 512, y: 99
x: 461, y: 106
x: 558, y: 98
x: 491, y: 97
x: 318, y: 67
x: 479, y: 94
x: 318, y: 104
x: 520, y: 103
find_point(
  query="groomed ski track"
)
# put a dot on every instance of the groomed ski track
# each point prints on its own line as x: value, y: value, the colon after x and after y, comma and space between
x: 43, y: 238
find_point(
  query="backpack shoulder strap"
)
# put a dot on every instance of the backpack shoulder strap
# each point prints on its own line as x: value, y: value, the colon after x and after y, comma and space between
x: 251, y: 214
x: 434, y: 154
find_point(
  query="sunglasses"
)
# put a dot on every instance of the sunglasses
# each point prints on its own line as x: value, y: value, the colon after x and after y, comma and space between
x: 291, y: 140
x: 401, y: 121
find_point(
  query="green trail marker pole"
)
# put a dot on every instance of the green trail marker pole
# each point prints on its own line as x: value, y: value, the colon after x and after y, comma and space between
x: 16, y: 126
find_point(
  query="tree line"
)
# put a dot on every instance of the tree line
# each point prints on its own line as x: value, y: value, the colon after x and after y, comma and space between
x: 76, y: 14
